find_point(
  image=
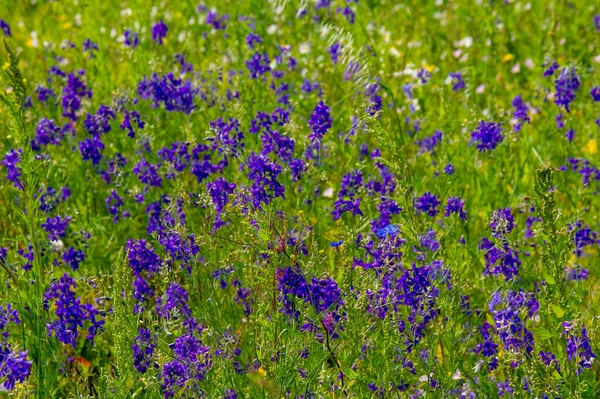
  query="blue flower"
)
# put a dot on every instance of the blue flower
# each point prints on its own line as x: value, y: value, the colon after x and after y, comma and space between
x: 487, y: 135
x: 159, y: 32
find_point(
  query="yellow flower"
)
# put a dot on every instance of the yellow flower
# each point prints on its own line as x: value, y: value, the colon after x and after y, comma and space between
x: 508, y: 57
x: 591, y: 147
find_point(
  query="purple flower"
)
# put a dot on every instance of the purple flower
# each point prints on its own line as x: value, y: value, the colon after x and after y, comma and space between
x: 520, y: 113
x: 560, y: 123
x: 335, y: 51
x: 147, y: 173
x: 579, y: 347
x: 46, y: 133
x: 596, y: 22
x: 219, y: 190
x: 487, y: 135
x: 173, y: 302
x: 258, y: 65
x: 449, y: 169
x: 263, y: 172
x: 90, y: 47
x: 56, y: 227
x: 132, y: 39
x: 218, y: 23
x: 73, y: 257
x: 498, y: 260
x: 99, y: 124
x: 71, y: 314
x: 143, y: 350
x: 456, y: 205
x: 159, y: 32
x: 504, y: 388
x: 423, y: 75
x: 5, y: 28
x: 427, y: 203
x: 428, y: 241
x: 114, y: 203
x: 342, y: 206
x: 566, y: 86
x: 428, y: 143
x: 127, y: 124
x: 595, y: 92
x: 10, y: 161
x: 457, y: 81
x: 91, y: 148
x: 570, y: 135
x: 552, y: 67
x: 142, y: 257
x: 177, y: 95
x: 73, y: 92
x: 14, y: 366
x: 576, y: 273
x: 502, y: 222
x: 320, y: 122
x: 252, y: 39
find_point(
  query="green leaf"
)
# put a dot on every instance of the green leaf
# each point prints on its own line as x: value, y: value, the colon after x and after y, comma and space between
x: 541, y: 333
x: 558, y: 310
x: 549, y: 279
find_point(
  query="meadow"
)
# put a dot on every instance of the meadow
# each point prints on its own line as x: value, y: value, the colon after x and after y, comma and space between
x: 299, y: 199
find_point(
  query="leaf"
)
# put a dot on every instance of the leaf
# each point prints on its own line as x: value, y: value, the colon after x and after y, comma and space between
x: 541, y: 333
x: 558, y: 310
x: 549, y: 279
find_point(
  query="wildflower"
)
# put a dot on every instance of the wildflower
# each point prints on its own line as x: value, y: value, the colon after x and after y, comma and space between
x: 46, y: 133
x: 570, y: 135
x: 595, y: 93
x: 143, y: 350
x: 73, y: 93
x: 502, y: 222
x: 552, y: 67
x: 218, y: 23
x: 258, y: 64
x: 428, y: 143
x: 320, y: 122
x: 428, y: 204
x: 335, y: 51
x: 341, y: 206
x: 90, y: 47
x: 504, y: 388
x: 423, y: 75
x: 449, y: 169
x: 159, y: 32
x: 219, y: 191
x: 559, y: 119
x: 456, y: 205
x: 487, y: 135
x: 5, y: 28
x: 91, y: 148
x: 177, y: 95
x: 252, y: 39
x: 56, y: 227
x: 566, y: 86
x: 131, y: 38
x: 70, y: 313
x: 147, y: 173
x: 10, y: 161
x: 576, y: 273
x: 73, y: 257
x: 520, y: 113
x: 578, y: 347
x: 174, y: 301
x: 498, y: 260
x: 458, y: 82
x: 263, y: 172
